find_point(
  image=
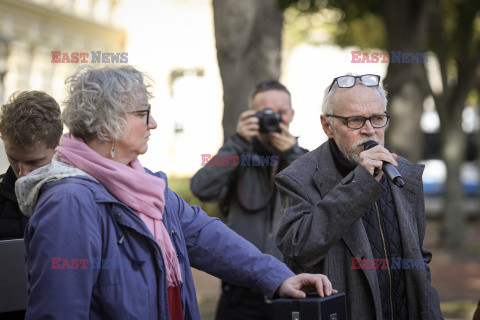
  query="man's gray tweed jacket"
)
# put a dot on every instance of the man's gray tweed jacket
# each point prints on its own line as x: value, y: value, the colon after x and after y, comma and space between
x: 321, y: 230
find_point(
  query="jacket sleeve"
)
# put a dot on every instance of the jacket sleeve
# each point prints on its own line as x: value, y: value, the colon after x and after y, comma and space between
x: 311, y: 227
x: 61, y: 238
x: 292, y: 154
x: 433, y: 299
x: 216, y: 249
x: 211, y: 182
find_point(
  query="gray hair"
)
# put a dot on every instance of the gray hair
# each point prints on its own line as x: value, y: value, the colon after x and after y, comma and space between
x: 327, y: 106
x: 98, y: 100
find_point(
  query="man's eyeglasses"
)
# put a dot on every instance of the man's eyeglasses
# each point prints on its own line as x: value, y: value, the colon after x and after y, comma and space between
x: 357, y: 122
x: 368, y: 80
x: 144, y: 112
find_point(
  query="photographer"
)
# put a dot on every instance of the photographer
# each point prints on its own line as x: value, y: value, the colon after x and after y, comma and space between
x: 245, y: 188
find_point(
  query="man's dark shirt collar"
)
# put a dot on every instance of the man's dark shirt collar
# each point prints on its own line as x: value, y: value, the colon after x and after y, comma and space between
x: 7, y: 186
x: 344, y: 166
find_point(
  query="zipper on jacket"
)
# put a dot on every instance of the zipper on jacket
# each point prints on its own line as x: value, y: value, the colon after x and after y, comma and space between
x: 386, y: 258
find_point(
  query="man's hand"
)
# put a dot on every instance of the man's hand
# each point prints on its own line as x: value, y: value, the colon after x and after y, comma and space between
x: 373, y: 159
x: 282, y: 141
x: 297, y: 286
x: 247, y: 125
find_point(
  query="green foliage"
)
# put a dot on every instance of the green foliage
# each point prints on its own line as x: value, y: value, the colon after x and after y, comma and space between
x: 344, y: 22
x: 455, y: 29
x: 366, y: 32
x: 454, y: 37
x: 181, y: 186
x: 472, y: 98
x: 314, y: 28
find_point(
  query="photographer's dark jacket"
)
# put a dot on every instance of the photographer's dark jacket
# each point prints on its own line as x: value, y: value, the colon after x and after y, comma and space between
x: 246, y: 191
x: 12, y: 221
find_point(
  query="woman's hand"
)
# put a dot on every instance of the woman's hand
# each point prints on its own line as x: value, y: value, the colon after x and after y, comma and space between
x: 297, y: 286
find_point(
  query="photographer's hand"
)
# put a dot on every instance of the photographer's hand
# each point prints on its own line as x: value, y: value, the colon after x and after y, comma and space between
x: 282, y: 141
x: 248, y: 125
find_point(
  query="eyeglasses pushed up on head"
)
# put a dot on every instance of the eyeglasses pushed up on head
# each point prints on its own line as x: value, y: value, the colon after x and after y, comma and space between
x: 368, y: 80
x: 357, y: 122
x: 144, y: 112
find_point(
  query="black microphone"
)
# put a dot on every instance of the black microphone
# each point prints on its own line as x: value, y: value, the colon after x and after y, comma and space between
x: 389, y: 169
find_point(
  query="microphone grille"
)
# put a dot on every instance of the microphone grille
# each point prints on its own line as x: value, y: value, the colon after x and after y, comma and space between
x: 369, y: 145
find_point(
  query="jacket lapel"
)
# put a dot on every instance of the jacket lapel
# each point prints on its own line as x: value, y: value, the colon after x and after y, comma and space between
x: 416, y: 296
x: 326, y: 178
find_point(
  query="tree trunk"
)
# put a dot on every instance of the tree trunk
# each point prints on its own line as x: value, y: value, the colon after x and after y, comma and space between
x: 407, y: 27
x: 406, y: 97
x: 453, y: 147
x: 248, y: 40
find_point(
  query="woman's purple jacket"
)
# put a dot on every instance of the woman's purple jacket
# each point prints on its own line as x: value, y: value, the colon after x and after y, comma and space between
x: 91, y: 257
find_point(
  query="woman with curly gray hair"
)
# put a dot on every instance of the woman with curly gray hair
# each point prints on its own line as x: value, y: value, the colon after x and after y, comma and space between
x: 107, y: 238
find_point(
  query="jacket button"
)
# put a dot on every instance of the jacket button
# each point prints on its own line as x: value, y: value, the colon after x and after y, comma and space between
x: 118, y: 215
x: 174, y: 232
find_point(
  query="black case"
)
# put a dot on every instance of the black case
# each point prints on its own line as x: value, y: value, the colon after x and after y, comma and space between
x: 313, y: 307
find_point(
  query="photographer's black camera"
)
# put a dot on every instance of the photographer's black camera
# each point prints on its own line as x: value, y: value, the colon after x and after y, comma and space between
x: 269, y: 120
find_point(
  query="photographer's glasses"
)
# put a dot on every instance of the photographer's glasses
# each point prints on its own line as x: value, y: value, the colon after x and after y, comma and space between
x: 368, y: 80
x: 143, y: 113
x: 357, y: 122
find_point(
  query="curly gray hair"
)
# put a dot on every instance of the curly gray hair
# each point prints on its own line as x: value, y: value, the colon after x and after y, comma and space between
x: 98, y: 100
x: 327, y: 106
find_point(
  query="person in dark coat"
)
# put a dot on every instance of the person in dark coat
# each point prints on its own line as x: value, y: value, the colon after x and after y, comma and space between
x: 30, y: 127
x: 344, y: 218
x: 245, y: 187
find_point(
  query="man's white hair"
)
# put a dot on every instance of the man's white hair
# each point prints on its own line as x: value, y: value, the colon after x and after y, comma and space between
x: 327, y: 105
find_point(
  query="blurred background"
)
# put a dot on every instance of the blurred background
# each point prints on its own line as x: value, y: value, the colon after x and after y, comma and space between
x: 204, y: 58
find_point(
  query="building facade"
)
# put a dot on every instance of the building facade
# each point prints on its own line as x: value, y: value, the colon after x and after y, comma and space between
x: 32, y: 30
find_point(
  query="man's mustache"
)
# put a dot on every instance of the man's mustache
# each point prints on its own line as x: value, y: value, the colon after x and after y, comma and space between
x: 363, y: 140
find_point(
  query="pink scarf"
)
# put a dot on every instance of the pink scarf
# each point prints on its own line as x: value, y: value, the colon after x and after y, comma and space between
x: 142, y: 192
